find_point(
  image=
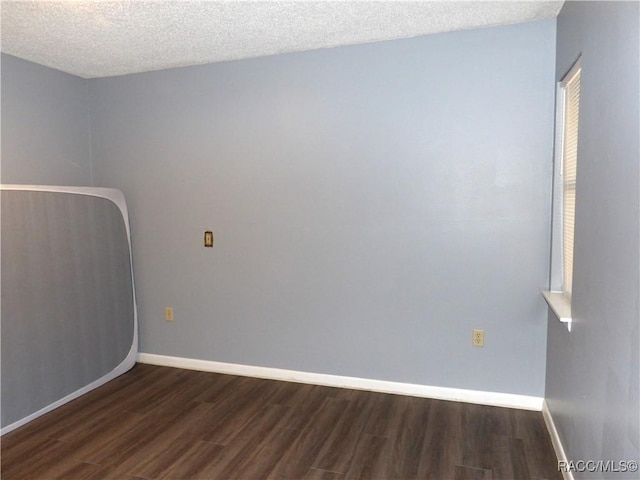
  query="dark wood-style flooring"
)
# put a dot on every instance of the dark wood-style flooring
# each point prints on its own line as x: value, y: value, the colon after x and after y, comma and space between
x: 166, y: 423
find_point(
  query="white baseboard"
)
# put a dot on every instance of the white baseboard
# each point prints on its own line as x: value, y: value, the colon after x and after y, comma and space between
x: 555, y: 439
x: 442, y: 393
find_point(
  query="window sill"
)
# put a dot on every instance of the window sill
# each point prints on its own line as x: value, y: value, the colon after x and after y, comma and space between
x: 560, y: 305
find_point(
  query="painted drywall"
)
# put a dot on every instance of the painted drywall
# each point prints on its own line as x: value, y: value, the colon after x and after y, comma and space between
x: 593, y: 372
x: 371, y: 205
x: 45, y: 126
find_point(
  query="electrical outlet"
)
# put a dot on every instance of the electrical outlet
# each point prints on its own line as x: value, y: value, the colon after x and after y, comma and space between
x: 478, y: 338
x: 168, y: 314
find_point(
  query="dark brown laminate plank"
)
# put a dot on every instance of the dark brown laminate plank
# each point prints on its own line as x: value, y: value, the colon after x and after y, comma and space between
x: 264, y: 460
x: 306, y: 404
x: 385, y: 414
x: 217, y: 385
x: 81, y: 429
x: 243, y: 411
x: 500, y: 421
x: 154, y: 394
x: 408, y: 440
x: 444, y: 438
x: 240, y: 459
x: 15, y: 452
x: 299, y: 458
x: 158, y: 423
x: 470, y: 473
x: 367, y: 462
x: 115, y: 449
x: 476, y: 444
x: 82, y: 471
x: 541, y: 458
x: 180, y: 432
x: 41, y: 463
x: 340, y: 446
x: 187, y: 456
x: 508, y: 458
x: 24, y: 451
x: 179, y: 394
x: 291, y: 400
x: 291, y: 394
x: 518, y: 456
x: 317, y: 474
x: 191, y: 462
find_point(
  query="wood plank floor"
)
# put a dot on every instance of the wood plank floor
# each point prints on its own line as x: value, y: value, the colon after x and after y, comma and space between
x: 166, y: 423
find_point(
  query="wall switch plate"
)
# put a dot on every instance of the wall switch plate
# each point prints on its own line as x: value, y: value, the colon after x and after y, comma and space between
x: 168, y: 314
x: 208, y: 239
x: 478, y: 338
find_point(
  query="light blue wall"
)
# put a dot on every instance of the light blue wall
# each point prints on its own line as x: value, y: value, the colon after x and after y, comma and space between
x: 45, y: 126
x: 371, y: 205
x: 593, y: 372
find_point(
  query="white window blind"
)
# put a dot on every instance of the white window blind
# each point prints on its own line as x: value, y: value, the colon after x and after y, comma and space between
x: 571, y: 89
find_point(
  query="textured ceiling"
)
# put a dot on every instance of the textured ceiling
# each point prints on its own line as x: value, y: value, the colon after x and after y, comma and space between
x: 102, y: 38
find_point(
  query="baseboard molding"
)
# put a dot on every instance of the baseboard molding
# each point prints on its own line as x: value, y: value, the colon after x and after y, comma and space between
x: 555, y: 439
x: 442, y: 393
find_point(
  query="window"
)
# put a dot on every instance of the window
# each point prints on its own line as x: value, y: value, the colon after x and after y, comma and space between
x: 570, y: 87
x: 567, y: 115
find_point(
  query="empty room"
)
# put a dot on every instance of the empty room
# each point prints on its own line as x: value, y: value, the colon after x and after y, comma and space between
x: 320, y: 240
